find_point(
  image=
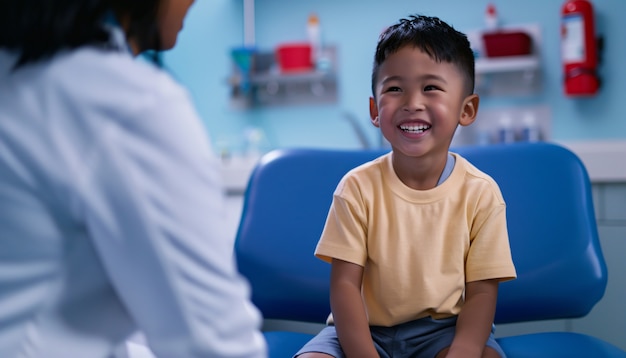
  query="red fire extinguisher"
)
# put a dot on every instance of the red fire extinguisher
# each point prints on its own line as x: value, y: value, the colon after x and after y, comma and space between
x: 579, y: 50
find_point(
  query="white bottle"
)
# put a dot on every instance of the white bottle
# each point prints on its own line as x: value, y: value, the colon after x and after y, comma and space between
x: 491, y: 17
x: 530, y: 129
x: 315, y: 38
x: 506, y: 132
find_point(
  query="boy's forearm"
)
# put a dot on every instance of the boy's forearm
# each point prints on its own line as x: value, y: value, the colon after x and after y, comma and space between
x: 349, y: 312
x: 474, y: 323
x: 352, y: 327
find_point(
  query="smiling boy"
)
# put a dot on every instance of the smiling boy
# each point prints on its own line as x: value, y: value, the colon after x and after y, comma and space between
x: 417, y: 238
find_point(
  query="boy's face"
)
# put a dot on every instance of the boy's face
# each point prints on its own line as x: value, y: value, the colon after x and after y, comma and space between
x: 419, y: 103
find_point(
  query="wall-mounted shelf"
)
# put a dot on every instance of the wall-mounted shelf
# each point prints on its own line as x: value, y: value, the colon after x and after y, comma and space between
x: 507, y: 64
x: 509, y: 75
x: 301, y: 88
x: 268, y: 86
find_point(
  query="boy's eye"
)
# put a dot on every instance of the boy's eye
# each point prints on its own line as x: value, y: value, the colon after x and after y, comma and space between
x: 394, y: 89
x: 431, y: 88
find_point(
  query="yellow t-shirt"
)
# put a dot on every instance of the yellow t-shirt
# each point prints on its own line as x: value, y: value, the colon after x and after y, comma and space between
x: 418, y: 247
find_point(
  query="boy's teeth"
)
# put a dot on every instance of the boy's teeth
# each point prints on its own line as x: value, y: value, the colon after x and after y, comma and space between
x: 418, y: 128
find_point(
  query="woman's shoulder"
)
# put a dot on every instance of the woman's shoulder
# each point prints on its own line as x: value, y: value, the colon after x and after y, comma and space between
x: 97, y: 89
x: 101, y: 75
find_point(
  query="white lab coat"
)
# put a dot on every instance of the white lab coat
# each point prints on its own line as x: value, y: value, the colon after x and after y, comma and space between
x: 111, y: 216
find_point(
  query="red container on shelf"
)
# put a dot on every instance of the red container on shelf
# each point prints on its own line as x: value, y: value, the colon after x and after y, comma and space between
x: 501, y: 43
x: 294, y: 57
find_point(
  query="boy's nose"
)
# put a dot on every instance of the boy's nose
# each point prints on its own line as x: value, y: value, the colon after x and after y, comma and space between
x: 414, y: 102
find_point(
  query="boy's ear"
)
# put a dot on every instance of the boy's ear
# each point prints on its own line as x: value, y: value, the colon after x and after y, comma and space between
x: 469, y: 110
x: 374, y: 112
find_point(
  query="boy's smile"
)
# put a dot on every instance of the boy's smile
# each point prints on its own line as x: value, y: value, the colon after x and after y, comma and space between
x: 417, y: 128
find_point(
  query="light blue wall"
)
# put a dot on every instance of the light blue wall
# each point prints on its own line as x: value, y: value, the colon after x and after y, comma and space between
x: 201, y: 62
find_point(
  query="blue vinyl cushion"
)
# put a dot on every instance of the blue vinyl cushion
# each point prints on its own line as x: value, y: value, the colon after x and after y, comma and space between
x: 550, y: 217
x: 283, y: 344
x: 557, y: 345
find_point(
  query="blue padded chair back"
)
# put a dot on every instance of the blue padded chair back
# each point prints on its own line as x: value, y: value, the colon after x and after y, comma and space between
x: 552, y: 229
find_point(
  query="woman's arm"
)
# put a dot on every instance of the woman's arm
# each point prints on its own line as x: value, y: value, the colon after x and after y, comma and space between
x: 348, y: 310
x: 152, y: 199
x: 475, y: 320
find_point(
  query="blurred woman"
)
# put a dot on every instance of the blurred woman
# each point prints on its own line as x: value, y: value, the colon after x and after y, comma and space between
x: 111, y: 208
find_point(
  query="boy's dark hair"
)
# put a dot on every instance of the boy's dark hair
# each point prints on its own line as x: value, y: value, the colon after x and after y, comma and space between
x: 38, y: 29
x: 435, y: 37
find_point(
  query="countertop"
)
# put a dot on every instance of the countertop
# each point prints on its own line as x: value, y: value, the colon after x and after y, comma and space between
x: 605, y: 162
x: 236, y: 171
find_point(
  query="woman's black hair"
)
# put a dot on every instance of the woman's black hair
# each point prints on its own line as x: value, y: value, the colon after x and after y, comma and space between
x: 433, y: 36
x: 38, y: 29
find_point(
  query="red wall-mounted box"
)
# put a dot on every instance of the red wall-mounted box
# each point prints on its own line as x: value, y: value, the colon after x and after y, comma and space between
x: 501, y: 43
x: 294, y: 57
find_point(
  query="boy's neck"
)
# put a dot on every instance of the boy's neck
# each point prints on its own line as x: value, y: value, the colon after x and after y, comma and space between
x: 419, y: 173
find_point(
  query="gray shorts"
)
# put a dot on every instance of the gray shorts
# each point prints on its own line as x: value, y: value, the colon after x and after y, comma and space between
x: 424, y: 337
